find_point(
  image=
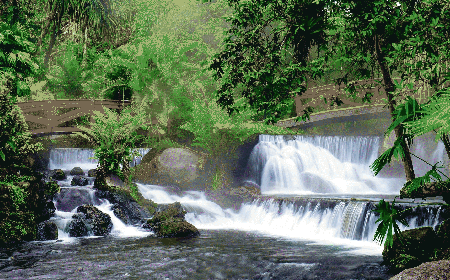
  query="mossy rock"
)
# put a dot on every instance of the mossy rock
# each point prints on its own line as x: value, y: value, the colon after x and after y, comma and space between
x: 176, y: 228
x: 169, y: 222
x: 444, y: 233
x: 419, y: 243
x: 404, y: 261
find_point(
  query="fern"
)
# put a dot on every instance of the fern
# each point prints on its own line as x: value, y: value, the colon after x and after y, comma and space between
x: 388, y: 222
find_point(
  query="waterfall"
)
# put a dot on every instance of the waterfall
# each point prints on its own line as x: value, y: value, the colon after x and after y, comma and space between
x: 318, y: 164
x: 70, y: 197
x: 325, y: 221
x: 67, y: 158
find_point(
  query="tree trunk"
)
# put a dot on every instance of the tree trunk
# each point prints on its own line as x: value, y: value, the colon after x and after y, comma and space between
x: 52, y: 43
x: 389, y: 88
x: 447, y: 146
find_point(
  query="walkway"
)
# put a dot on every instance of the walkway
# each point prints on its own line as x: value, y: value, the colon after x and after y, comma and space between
x: 44, y: 117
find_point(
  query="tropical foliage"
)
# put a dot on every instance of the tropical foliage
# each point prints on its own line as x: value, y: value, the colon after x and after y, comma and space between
x: 114, y: 136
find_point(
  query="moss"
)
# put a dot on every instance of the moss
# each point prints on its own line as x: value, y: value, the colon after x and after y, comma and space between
x: 51, y: 188
x: 17, y: 226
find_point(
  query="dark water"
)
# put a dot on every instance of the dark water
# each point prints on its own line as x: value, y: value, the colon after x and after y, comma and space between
x: 216, y: 254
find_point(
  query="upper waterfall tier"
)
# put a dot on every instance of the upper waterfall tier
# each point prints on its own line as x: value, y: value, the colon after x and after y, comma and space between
x: 318, y: 164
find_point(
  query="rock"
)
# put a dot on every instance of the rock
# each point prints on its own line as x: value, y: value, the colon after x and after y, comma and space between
x: 78, y: 180
x: 49, y: 210
x: 92, y: 173
x: 78, y: 227
x: 443, y: 233
x: 70, y: 198
x: 418, y: 243
x: 125, y: 207
x: 76, y: 171
x: 169, y: 222
x: 90, y: 220
x: 57, y: 174
x: 437, y: 270
x: 47, y: 230
x: 100, y: 222
x: 429, y: 190
x: 181, y: 165
x: 234, y: 197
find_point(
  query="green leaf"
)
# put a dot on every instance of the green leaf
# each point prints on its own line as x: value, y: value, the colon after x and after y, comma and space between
x: 388, y: 221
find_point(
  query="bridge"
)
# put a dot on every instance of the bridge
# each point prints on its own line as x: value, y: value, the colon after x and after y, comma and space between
x: 350, y: 110
x: 48, y: 116
x: 43, y: 117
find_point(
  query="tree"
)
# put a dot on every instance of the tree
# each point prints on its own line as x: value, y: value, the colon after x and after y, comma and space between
x: 268, y: 70
x: 87, y: 13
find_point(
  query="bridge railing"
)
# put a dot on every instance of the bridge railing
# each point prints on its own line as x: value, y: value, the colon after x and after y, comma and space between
x: 363, y: 86
x: 43, y: 118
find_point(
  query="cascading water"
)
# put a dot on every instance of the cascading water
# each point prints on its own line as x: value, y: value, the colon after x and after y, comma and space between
x: 332, y: 222
x: 327, y: 221
x: 70, y: 197
x: 65, y: 158
x: 318, y: 165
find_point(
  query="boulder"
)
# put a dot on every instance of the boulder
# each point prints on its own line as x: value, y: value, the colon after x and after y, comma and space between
x: 180, y: 167
x: 57, y: 174
x: 92, y: 173
x: 100, y: 222
x: 70, y: 198
x: 437, y: 270
x: 124, y: 206
x: 90, y: 220
x: 180, y: 164
x: 76, y: 171
x: 78, y: 227
x: 169, y: 222
x: 79, y: 180
x: 47, y: 230
x: 418, y: 243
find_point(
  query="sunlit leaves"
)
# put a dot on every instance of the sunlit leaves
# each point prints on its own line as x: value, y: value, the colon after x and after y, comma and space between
x: 436, y: 117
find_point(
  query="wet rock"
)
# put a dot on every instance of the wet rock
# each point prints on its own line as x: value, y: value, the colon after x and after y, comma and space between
x: 79, y: 181
x: 49, y: 210
x: 70, y: 198
x: 78, y: 227
x: 57, y: 174
x: 437, y: 270
x: 76, y: 171
x: 169, y: 221
x: 47, y: 230
x: 99, y: 222
x: 89, y: 220
x: 418, y: 247
x: 92, y: 173
x: 127, y: 209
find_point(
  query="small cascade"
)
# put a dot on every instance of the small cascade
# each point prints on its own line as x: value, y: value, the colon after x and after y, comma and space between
x: 67, y: 158
x: 318, y: 164
x: 328, y: 221
x: 70, y: 197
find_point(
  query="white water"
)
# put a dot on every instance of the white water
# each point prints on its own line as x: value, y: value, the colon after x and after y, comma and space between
x: 348, y: 224
x: 68, y: 158
x: 63, y: 218
x: 303, y: 166
x: 325, y: 165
